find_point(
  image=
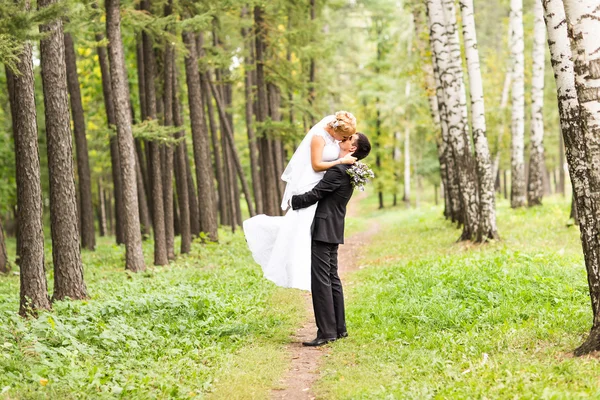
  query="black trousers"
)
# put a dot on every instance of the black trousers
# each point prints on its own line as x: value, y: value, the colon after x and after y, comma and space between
x: 327, y: 293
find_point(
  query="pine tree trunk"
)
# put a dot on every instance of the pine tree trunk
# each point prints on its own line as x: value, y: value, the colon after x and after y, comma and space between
x: 274, y: 96
x: 194, y: 207
x: 406, y: 195
x: 30, y: 232
x: 535, y: 185
x: 86, y: 216
x: 252, y: 142
x: 158, y: 210
x: 109, y: 213
x: 168, y: 66
x: 312, y: 72
x: 231, y: 143
x: 217, y: 151
x: 134, y: 258
x: 183, y: 196
x: 583, y: 20
x: 269, y: 179
x: 102, y: 209
x: 517, y: 188
x: 114, y: 145
x: 485, y: 177
x: 4, y: 264
x: 574, y: 215
x: 68, y: 268
x: 208, y: 216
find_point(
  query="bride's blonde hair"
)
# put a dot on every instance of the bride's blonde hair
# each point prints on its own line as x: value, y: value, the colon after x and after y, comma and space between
x: 344, y: 123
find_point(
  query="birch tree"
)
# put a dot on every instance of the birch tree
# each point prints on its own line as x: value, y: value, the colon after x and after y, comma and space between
x: 582, y: 141
x: 535, y: 187
x: 517, y: 156
x: 487, y: 201
x: 446, y: 50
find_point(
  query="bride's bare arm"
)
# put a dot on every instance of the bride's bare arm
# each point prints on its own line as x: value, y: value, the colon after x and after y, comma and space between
x: 316, y: 156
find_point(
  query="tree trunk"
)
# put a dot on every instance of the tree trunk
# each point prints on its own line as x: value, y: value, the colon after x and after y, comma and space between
x: 208, y: 217
x: 183, y: 196
x: 194, y: 207
x: 168, y: 66
x: 312, y: 71
x: 446, y: 49
x: 583, y: 18
x: 114, y: 145
x: 134, y: 258
x: 4, y: 264
x: 86, y: 215
x: 406, y: 195
x: 68, y: 268
x: 214, y: 136
x: 109, y: 212
x: 252, y: 142
x: 102, y: 209
x: 485, y: 177
x: 158, y: 210
x: 274, y: 97
x: 517, y: 47
x: 30, y: 232
x: 267, y: 163
x: 230, y: 141
x: 561, y: 166
x: 574, y: 215
x: 535, y: 185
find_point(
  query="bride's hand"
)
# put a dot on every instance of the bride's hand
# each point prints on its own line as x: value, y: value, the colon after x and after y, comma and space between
x: 348, y: 159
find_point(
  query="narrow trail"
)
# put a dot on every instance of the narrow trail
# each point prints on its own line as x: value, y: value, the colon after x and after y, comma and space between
x: 305, y: 361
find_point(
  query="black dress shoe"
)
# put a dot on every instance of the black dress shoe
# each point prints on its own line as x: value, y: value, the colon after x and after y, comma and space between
x: 318, y: 342
x: 342, y: 335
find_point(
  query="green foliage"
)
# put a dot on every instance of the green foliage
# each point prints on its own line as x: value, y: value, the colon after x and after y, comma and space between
x: 169, y: 332
x: 431, y: 318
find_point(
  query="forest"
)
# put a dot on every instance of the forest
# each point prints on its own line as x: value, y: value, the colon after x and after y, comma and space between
x: 136, y: 136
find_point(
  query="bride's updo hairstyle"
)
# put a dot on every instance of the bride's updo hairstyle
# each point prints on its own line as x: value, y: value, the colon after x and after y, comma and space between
x: 344, y: 123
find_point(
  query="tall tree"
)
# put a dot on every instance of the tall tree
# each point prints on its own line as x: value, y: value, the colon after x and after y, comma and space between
x: 269, y: 178
x: 535, y: 185
x: 485, y: 178
x: 114, y: 145
x: 68, y: 268
x: 248, y: 93
x: 517, y: 47
x: 155, y: 170
x: 183, y: 196
x: 208, y: 217
x: 133, y: 238
x: 4, y: 264
x: 582, y: 150
x: 86, y: 209
x: 167, y: 170
x: 30, y: 235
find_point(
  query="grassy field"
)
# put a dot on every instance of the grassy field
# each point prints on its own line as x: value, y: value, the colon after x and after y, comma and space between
x: 427, y: 317
x: 208, y: 324
x: 431, y: 318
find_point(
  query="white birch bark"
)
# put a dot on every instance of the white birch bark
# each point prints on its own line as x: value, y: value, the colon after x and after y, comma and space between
x: 446, y: 49
x: 583, y: 19
x: 517, y: 47
x: 535, y: 187
x: 487, y: 201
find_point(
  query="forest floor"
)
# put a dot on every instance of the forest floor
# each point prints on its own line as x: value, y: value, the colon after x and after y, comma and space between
x: 427, y: 318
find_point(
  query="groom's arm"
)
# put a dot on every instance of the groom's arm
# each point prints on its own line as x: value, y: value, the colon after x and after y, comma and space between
x: 330, y: 182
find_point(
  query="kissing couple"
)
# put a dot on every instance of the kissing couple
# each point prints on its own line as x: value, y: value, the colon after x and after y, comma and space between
x: 300, y: 249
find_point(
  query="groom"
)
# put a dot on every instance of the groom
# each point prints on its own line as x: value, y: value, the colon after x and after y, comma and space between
x: 333, y: 193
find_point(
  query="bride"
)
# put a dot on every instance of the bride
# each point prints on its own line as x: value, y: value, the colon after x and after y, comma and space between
x: 281, y: 245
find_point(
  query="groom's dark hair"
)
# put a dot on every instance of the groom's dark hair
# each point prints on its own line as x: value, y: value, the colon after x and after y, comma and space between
x: 363, y: 146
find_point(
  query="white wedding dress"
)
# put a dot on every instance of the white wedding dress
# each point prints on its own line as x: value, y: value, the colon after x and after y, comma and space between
x: 281, y: 245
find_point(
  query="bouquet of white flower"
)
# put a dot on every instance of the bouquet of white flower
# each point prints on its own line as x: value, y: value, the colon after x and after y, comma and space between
x: 360, y: 173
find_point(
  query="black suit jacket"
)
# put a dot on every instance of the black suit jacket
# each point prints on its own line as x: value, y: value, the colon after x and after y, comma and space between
x: 333, y: 194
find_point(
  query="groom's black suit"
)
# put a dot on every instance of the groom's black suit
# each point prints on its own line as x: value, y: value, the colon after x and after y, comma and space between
x: 333, y: 193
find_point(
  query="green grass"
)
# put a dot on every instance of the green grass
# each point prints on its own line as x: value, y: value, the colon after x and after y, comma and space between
x: 431, y: 318
x: 172, y: 332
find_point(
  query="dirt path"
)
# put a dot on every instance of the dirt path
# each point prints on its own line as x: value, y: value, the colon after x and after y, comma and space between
x: 305, y: 361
